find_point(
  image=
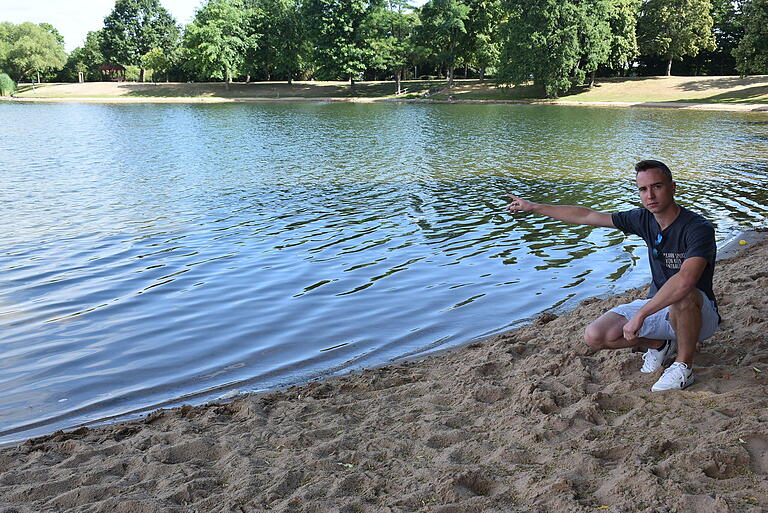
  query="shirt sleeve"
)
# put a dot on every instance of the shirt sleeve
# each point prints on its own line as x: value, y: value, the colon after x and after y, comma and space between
x: 700, y: 242
x: 626, y: 221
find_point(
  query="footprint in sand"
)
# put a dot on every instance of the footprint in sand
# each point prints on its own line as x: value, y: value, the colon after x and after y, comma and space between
x: 757, y: 447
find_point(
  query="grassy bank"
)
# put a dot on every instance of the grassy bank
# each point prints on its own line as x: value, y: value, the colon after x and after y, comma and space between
x: 728, y: 90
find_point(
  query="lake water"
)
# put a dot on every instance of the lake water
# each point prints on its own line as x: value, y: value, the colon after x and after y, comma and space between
x: 154, y: 254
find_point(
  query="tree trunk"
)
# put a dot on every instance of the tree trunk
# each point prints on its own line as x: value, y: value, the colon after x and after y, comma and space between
x: 397, y: 81
x: 352, y: 82
x: 669, y: 67
x: 141, y: 74
x: 592, y: 79
x: 482, y: 74
x: 466, y: 69
x: 450, y: 75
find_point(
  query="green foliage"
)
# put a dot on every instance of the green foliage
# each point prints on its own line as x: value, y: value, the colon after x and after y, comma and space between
x: 623, y: 22
x: 443, y: 32
x: 85, y: 59
x: 752, y: 52
x: 156, y: 60
x: 134, y: 27
x: 594, y: 34
x: 673, y: 29
x: 336, y: 29
x: 133, y: 73
x: 554, y: 43
x: 481, y: 44
x: 56, y: 34
x: 217, y: 41
x: 283, y: 47
x: 391, y: 31
x: 28, y: 48
x: 7, y: 85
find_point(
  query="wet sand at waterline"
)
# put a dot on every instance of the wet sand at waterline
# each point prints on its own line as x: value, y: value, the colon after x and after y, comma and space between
x: 525, y: 421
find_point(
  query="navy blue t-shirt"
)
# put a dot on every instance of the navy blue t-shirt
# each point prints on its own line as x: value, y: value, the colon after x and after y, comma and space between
x: 690, y: 235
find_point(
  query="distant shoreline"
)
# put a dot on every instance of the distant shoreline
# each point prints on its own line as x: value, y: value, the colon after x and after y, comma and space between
x: 727, y: 93
x: 728, y: 107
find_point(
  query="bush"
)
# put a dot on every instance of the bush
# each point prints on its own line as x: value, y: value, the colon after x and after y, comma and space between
x: 7, y: 86
x: 132, y: 73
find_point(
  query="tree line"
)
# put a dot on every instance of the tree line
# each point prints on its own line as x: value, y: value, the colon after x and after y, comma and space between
x: 555, y: 44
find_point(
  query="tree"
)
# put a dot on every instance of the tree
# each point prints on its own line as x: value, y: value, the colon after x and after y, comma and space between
x: 595, y: 38
x: 217, y: 41
x: 442, y: 31
x: 482, y: 48
x: 133, y: 28
x: 336, y: 29
x: 5, y: 42
x: 623, y: 22
x: 752, y: 53
x: 28, y: 48
x: 554, y: 43
x: 391, y: 30
x: 674, y: 29
x: 56, y: 34
x: 728, y: 29
x: 283, y: 46
x: 158, y: 61
x: 85, y: 59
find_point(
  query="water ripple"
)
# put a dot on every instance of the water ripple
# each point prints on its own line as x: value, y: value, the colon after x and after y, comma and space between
x: 160, y: 253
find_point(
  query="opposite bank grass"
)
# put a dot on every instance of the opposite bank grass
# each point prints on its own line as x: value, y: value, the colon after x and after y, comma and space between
x: 729, y: 89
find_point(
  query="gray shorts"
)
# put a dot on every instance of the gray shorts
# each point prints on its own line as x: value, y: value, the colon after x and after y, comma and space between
x: 657, y: 326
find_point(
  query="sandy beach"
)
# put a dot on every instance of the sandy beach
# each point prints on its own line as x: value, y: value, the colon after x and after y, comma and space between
x: 527, y: 421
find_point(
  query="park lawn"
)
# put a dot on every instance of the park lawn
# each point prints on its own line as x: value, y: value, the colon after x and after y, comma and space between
x: 635, y: 90
x: 677, y: 89
x: 311, y: 89
x: 732, y: 89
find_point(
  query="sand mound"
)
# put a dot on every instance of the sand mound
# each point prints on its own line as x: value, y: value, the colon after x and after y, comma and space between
x: 527, y: 421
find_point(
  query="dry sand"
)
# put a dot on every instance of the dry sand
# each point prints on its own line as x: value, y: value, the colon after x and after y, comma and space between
x: 528, y: 421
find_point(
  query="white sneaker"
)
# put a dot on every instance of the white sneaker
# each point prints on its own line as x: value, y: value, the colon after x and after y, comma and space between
x: 653, y: 358
x: 676, y: 377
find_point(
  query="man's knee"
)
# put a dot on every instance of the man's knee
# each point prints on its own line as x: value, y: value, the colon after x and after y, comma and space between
x: 594, y: 337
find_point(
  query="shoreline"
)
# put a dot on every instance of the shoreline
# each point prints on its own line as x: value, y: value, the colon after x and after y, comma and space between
x: 527, y: 420
x: 730, y: 248
x: 726, y: 107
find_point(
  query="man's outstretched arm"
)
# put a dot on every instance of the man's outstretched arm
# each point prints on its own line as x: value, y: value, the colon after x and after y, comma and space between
x: 565, y: 213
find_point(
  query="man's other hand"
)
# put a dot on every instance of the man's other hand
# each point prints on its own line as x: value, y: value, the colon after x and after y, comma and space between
x: 632, y: 328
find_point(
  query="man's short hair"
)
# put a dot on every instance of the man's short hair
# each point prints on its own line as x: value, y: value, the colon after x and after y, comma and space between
x: 645, y: 165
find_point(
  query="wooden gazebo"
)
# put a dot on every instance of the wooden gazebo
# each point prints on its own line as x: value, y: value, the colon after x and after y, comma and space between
x: 112, y: 73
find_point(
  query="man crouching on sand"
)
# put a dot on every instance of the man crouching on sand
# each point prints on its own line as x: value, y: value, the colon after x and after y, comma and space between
x: 681, y: 308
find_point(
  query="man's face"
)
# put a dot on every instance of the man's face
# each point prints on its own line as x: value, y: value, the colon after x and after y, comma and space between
x: 657, y: 191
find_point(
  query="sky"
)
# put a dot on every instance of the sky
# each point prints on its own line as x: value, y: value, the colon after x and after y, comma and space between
x: 75, y: 18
